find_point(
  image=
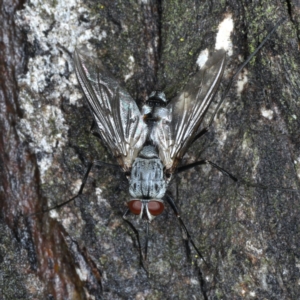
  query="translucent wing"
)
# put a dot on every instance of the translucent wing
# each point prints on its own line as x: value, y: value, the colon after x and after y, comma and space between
x: 119, y: 120
x: 179, y: 121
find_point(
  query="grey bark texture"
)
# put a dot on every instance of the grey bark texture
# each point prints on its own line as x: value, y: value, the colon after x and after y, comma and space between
x: 248, y: 232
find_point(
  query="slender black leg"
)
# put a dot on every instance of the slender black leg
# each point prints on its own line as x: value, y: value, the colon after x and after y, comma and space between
x: 203, y: 162
x: 90, y: 165
x: 97, y: 135
x: 95, y: 132
x: 189, y: 238
x: 204, y: 130
x: 147, y: 238
x: 241, y: 68
x: 93, y: 126
x: 201, y: 133
x: 99, y: 163
x: 137, y: 237
x: 240, y: 180
x: 84, y: 179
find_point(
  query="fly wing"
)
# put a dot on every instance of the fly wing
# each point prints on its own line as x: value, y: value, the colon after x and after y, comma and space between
x: 119, y: 120
x: 179, y: 121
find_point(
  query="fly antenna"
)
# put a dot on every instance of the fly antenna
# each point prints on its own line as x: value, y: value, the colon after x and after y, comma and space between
x: 242, y: 66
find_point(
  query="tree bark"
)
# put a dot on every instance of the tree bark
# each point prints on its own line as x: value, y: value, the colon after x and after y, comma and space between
x: 247, y: 231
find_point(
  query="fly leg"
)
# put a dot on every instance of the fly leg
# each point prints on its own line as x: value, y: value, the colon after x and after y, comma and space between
x: 206, y: 129
x: 94, y: 131
x: 200, y: 133
x: 84, y: 179
x: 147, y: 238
x: 176, y: 211
x: 203, y: 162
x: 127, y: 212
x: 239, y: 180
x: 189, y: 239
x: 99, y: 163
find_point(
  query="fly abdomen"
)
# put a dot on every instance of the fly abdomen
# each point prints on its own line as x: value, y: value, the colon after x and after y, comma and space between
x: 147, y: 176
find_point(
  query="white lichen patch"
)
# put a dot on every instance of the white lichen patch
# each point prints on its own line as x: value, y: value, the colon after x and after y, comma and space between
x: 53, y: 214
x: 250, y: 151
x: 194, y: 281
x: 223, y: 40
x: 142, y: 295
x: 252, y: 294
x: 256, y: 162
x: 53, y: 31
x: 68, y: 219
x: 144, y: 1
x: 263, y: 271
x: 246, y: 145
x: 74, y: 94
x: 253, y: 249
x: 100, y: 199
x: 130, y: 67
x: 267, y: 113
x: 76, y: 186
x: 202, y: 58
x: 222, y: 138
x: 43, y: 126
x: 242, y: 81
x: 82, y: 273
x: 129, y: 273
x: 297, y: 166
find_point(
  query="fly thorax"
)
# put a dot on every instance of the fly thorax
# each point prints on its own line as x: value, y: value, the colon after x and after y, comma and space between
x: 156, y: 100
x: 148, y: 151
x: 147, y: 177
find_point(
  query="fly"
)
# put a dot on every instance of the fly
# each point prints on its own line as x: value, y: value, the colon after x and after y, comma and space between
x: 149, y: 144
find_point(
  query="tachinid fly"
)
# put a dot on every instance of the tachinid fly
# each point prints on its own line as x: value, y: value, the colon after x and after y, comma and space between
x: 149, y: 144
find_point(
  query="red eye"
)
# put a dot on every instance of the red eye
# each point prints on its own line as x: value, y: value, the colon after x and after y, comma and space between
x: 155, y: 207
x: 135, y: 206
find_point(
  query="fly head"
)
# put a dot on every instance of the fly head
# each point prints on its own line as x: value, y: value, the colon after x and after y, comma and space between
x: 146, y: 208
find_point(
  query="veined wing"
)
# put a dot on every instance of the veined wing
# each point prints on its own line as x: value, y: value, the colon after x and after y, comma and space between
x: 119, y: 120
x: 179, y: 121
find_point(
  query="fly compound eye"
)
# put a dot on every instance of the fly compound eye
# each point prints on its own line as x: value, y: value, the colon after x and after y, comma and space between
x: 155, y: 208
x: 135, y: 206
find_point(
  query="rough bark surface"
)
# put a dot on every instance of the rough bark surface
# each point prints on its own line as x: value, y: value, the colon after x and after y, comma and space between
x: 248, y: 232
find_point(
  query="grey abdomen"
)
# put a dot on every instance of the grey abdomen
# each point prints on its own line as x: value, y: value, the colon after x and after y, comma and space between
x: 147, y: 179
